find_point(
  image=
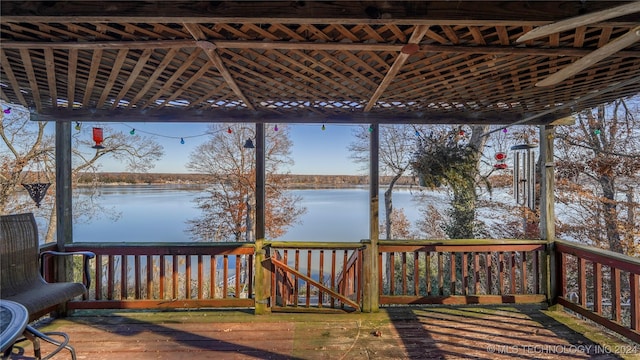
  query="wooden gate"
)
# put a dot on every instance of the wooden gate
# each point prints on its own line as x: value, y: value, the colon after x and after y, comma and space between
x: 316, y: 277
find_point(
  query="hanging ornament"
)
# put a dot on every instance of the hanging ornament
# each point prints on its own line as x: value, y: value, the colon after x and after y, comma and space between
x: 98, y: 138
x: 77, y: 127
x: 275, y: 128
x: 323, y: 127
x: 182, y: 141
x: 500, y: 157
x: 229, y: 130
x: 132, y: 132
x: 37, y: 191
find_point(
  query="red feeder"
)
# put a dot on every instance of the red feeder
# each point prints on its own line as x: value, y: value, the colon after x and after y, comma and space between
x: 501, y: 156
x: 98, y: 138
x: 500, y: 166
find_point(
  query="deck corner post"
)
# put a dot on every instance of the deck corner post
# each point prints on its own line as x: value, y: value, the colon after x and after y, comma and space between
x: 547, y: 211
x: 370, y: 281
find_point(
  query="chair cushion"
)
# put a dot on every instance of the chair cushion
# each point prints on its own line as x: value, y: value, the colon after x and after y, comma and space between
x: 41, y: 295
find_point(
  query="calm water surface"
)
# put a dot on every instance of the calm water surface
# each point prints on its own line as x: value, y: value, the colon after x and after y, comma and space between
x: 158, y: 213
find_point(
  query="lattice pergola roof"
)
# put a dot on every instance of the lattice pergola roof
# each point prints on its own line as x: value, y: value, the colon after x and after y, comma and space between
x: 351, y: 62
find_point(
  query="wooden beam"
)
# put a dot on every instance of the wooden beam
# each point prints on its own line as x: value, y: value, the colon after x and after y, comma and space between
x: 478, y: 13
x: 167, y: 115
x: 25, y: 56
x: 305, y: 45
x: 210, y: 50
x: 418, y: 34
x: 11, y: 77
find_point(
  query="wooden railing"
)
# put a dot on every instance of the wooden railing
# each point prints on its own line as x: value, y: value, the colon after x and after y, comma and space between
x: 309, y: 275
x: 460, y: 271
x: 169, y: 275
x: 600, y: 285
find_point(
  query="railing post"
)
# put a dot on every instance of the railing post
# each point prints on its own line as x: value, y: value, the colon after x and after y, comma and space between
x: 263, y: 279
x: 547, y: 211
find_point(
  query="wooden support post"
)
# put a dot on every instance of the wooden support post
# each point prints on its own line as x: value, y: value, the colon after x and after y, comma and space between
x: 370, y: 281
x: 63, y: 196
x: 64, y: 219
x: 547, y: 211
x: 261, y: 262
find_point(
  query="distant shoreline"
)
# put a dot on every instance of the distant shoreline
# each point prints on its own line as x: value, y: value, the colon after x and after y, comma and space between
x: 291, y: 180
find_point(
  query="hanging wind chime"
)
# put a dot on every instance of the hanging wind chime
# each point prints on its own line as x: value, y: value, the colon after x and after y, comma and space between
x: 524, y: 175
x: 38, y: 189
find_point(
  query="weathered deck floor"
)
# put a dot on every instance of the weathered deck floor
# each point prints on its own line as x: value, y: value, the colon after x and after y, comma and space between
x: 466, y: 332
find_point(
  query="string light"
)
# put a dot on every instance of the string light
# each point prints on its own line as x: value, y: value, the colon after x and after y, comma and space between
x: 132, y: 132
x: 505, y: 130
x: 77, y: 127
x: 596, y: 131
x: 229, y: 130
x: 275, y: 128
x: 182, y: 141
x: 323, y: 127
x: 7, y: 110
x: 370, y: 128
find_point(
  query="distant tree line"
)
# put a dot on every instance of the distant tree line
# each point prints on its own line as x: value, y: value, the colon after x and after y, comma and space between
x: 290, y: 181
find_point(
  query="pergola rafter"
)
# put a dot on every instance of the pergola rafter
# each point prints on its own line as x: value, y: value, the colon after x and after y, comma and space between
x: 418, y: 62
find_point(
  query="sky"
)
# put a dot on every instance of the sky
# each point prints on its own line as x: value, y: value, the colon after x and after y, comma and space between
x: 314, y: 152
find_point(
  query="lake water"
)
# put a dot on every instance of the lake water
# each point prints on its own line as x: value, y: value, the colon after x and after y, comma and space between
x: 158, y: 213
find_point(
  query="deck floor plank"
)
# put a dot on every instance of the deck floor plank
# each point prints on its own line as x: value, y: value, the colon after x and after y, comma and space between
x: 429, y: 332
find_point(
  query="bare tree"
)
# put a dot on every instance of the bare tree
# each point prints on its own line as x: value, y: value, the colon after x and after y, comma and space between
x: 397, y: 144
x: 29, y: 156
x: 228, y: 206
x: 599, y: 172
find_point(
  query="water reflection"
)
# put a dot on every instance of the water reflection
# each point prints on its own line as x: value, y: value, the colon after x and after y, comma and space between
x: 158, y: 213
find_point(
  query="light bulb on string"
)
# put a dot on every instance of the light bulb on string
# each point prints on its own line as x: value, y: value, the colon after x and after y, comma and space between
x: 182, y: 141
x: 370, y: 128
x: 596, y: 131
x: 323, y: 127
x: 417, y: 133
x: 229, y: 130
x: 275, y: 128
x: 77, y: 127
x: 132, y: 132
x: 7, y: 110
x: 504, y: 130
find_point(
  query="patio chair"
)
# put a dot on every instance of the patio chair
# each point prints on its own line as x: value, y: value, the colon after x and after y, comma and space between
x: 20, y: 278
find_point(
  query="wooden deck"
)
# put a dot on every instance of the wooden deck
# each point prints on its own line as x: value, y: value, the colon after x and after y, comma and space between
x: 426, y: 332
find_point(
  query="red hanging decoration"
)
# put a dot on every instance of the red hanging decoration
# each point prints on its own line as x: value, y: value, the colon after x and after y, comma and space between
x: 98, y: 138
x: 500, y: 158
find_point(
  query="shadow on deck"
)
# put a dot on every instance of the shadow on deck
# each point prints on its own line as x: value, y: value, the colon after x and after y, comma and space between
x: 425, y: 332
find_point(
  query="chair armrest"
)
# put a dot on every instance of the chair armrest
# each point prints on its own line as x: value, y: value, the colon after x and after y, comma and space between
x: 86, y: 255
